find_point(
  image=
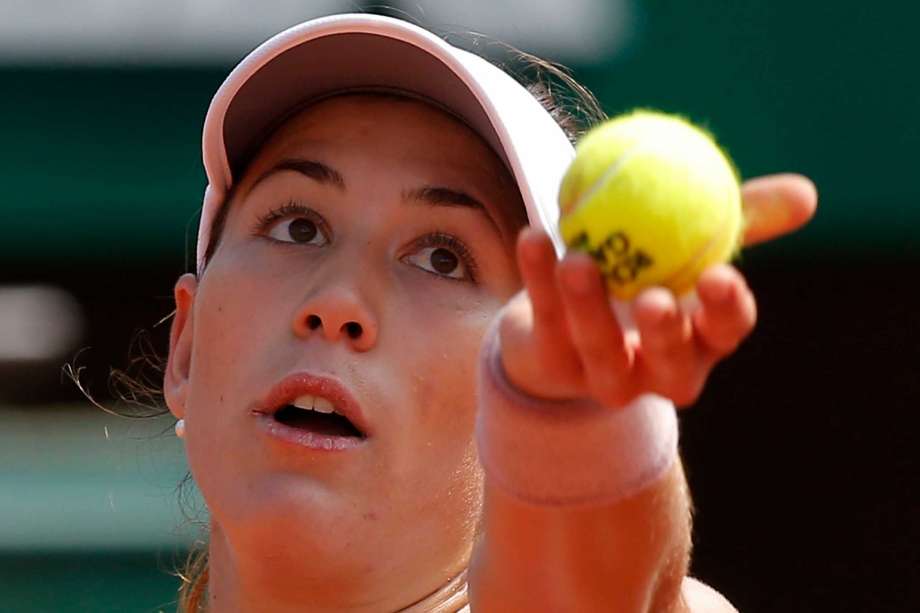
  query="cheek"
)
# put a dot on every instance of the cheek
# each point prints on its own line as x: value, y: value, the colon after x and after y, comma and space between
x: 445, y: 382
x: 447, y: 401
x: 238, y: 316
x: 232, y: 329
x: 441, y: 360
x: 230, y: 324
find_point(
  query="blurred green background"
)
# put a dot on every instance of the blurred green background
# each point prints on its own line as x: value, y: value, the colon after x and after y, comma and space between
x: 101, y: 181
x: 827, y: 89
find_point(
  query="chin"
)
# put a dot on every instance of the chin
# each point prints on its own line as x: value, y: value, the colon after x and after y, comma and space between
x: 289, y: 515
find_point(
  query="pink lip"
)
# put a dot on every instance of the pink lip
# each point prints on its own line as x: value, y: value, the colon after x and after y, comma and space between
x: 299, y: 384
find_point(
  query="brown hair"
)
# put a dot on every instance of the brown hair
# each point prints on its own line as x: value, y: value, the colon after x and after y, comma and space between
x: 139, y: 386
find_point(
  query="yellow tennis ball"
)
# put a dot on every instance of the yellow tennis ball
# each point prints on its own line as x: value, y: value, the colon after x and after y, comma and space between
x: 653, y: 199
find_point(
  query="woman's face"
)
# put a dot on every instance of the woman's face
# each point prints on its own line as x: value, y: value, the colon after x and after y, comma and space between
x: 367, y: 249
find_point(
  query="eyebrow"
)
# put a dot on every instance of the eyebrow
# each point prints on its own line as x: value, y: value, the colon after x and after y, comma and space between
x: 446, y: 196
x: 443, y: 196
x: 317, y: 171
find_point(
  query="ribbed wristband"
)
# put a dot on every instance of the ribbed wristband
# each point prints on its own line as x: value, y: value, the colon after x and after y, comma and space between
x: 568, y: 452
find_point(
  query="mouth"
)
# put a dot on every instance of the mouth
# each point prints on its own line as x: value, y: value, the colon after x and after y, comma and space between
x: 313, y: 411
x: 318, y: 415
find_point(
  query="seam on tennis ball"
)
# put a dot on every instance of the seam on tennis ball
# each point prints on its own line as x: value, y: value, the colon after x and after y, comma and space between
x: 702, y: 251
x: 609, y: 175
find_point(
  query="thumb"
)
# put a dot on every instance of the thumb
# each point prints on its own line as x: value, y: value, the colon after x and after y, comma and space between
x: 775, y: 205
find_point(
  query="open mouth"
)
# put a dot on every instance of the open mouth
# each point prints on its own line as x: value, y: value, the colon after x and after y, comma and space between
x: 317, y: 415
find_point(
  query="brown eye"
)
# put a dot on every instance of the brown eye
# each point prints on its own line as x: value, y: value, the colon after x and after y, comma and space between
x: 297, y: 231
x: 443, y: 261
x: 302, y: 230
x: 440, y: 261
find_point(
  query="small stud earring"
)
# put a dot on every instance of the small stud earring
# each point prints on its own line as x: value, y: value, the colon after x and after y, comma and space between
x: 180, y: 428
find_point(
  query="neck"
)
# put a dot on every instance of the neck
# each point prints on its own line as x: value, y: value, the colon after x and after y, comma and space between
x: 278, y: 583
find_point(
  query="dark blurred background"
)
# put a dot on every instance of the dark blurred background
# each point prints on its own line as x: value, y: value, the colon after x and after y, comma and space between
x: 801, y: 453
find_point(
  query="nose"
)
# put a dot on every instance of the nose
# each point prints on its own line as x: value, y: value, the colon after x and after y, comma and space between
x: 338, y: 314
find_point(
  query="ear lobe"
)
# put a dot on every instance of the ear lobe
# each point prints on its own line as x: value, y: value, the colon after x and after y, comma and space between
x: 178, y: 365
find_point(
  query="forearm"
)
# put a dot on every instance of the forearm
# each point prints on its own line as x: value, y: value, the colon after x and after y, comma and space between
x: 586, y: 506
x: 627, y: 556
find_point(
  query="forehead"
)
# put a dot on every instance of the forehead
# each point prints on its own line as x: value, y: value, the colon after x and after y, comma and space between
x: 394, y: 130
x: 400, y: 122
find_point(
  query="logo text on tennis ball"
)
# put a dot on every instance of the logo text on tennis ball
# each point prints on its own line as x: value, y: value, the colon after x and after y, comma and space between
x: 618, y: 260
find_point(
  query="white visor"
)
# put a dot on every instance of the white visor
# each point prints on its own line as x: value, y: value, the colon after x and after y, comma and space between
x: 340, y: 53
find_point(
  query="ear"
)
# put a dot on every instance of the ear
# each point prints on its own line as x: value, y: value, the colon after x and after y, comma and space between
x: 178, y: 365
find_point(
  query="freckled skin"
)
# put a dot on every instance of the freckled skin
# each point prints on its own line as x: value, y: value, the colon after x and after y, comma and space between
x: 402, y: 510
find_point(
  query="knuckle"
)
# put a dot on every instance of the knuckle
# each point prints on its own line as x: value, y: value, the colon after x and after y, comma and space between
x: 665, y: 337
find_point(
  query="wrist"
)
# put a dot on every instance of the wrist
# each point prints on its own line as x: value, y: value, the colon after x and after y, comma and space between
x: 535, y: 386
x: 568, y: 451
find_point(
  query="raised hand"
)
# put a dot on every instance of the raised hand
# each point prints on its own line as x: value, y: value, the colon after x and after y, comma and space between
x: 561, y: 340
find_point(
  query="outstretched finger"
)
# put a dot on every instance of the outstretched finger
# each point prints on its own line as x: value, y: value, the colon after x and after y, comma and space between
x: 775, y: 205
x: 605, y: 356
x: 537, y: 262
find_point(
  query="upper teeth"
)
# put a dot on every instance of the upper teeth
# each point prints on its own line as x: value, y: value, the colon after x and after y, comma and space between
x: 314, y: 403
